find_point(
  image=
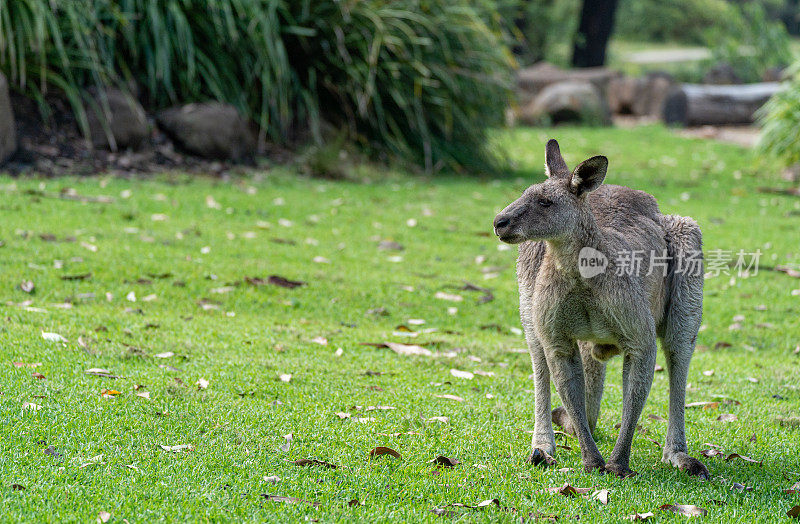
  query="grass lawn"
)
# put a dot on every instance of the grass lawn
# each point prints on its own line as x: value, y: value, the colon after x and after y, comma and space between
x: 182, y: 248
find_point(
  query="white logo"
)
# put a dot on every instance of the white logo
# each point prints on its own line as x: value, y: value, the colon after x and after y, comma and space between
x: 591, y: 262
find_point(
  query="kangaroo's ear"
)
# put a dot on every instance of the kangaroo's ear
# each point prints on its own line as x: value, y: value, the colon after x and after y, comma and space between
x: 588, y: 175
x: 554, y: 164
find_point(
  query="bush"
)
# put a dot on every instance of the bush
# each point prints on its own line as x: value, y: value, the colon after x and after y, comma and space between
x: 754, y: 44
x: 416, y: 79
x: 780, y: 120
x: 684, y: 21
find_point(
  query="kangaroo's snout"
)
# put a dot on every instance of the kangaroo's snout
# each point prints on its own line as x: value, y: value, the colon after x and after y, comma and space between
x: 505, y: 225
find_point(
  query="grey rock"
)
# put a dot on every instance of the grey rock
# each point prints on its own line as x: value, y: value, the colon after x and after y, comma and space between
x: 211, y: 130
x: 8, y: 128
x: 116, y: 120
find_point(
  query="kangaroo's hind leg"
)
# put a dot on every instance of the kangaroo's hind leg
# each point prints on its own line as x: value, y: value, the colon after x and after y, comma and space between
x: 681, y: 324
x: 594, y: 376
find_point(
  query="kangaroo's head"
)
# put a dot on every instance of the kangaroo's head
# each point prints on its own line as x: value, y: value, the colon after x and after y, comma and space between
x: 553, y: 209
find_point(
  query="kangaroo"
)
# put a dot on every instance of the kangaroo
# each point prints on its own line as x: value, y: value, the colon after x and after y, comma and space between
x: 602, y: 272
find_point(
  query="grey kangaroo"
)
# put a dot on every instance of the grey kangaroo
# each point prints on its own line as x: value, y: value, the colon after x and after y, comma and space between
x: 643, y: 280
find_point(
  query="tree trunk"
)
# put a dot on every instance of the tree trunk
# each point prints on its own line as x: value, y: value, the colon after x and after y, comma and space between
x: 696, y: 105
x: 594, y: 30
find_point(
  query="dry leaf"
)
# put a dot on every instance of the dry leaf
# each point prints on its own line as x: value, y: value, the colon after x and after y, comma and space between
x: 286, y: 377
x: 443, y: 420
x: 177, y: 448
x: 322, y: 341
x: 688, y: 510
x: 742, y: 457
x: 201, y: 383
x: 448, y: 296
x: 109, y: 393
x: 144, y: 394
x: 382, y: 450
x: 103, y: 516
x: 314, y: 462
x: 27, y: 286
x: 53, y: 337
x: 289, y: 500
x: 794, y: 512
x: 727, y: 417
x: 451, y: 397
x: 166, y: 354
x: 462, y: 374
x: 441, y: 460
x: 288, y: 444
x: 342, y: 415
x: 274, y: 479
x: 640, y: 516
x: 100, y: 372
x: 17, y: 487
x: 38, y: 375
x: 601, y: 495
x: 401, y: 349
x: 31, y: 406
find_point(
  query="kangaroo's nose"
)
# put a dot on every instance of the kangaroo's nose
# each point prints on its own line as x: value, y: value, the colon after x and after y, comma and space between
x: 500, y: 222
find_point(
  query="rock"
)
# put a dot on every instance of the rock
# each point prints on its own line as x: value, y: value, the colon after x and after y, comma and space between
x: 8, y: 129
x: 721, y: 74
x: 532, y: 80
x: 570, y: 101
x: 211, y: 129
x: 116, y: 120
x: 773, y: 74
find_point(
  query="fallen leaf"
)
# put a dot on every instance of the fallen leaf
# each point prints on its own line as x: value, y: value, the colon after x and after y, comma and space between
x: 448, y: 296
x: 103, y: 516
x: 742, y: 457
x: 27, y: 286
x: 109, y: 393
x: 289, y: 438
x: 462, y: 374
x: 38, y: 375
x: 794, y: 512
x: 601, y: 495
x: 794, y: 490
x: 656, y: 417
x: 314, y: 462
x: 53, y: 337
x: 727, y: 417
x: 23, y: 364
x: 443, y: 420
x: 166, y: 354
x: 342, y: 415
x: 640, y: 516
x: 708, y: 372
x: 441, y: 460
x: 201, y: 383
x: 322, y: 341
x: 100, y: 372
x: 567, y: 490
x: 31, y: 406
x: 274, y: 479
x: 401, y: 349
x: 382, y: 450
x: 144, y: 394
x: 177, y: 448
x: 286, y: 377
x: 688, y: 510
x: 17, y: 487
x: 451, y: 397
x: 711, y: 453
x: 289, y: 500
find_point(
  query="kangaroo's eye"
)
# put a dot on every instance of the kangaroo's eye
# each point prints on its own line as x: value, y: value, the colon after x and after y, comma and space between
x: 545, y: 203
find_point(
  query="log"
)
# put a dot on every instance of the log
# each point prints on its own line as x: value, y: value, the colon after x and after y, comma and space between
x: 532, y: 80
x: 697, y: 105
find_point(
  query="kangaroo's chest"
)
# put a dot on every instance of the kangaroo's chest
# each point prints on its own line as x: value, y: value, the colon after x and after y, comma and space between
x: 577, y: 314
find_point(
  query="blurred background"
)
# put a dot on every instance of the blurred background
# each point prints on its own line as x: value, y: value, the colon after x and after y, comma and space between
x: 145, y: 86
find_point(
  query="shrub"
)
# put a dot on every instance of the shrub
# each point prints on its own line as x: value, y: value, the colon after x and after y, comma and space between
x: 416, y: 79
x: 780, y: 120
x: 683, y: 21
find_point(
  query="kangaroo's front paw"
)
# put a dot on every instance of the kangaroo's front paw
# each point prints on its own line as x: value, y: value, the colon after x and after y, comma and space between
x: 540, y: 457
x: 619, y: 470
x: 561, y: 419
x: 688, y: 464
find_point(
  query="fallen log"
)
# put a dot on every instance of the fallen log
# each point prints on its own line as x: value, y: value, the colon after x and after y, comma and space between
x: 697, y: 105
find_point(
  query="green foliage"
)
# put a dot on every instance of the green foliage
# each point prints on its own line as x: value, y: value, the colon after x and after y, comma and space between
x: 416, y: 79
x: 751, y: 46
x: 780, y: 120
x: 549, y: 30
x: 674, y: 21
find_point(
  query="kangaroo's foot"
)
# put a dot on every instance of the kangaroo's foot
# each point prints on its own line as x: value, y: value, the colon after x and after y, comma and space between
x: 595, y: 464
x: 540, y: 457
x: 685, y: 463
x: 561, y: 419
x: 619, y: 470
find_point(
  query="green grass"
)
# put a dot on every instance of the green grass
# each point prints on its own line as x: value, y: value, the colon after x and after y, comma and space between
x: 259, y: 333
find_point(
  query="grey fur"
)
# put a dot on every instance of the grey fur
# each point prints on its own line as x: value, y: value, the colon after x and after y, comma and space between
x: 574, y: 324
